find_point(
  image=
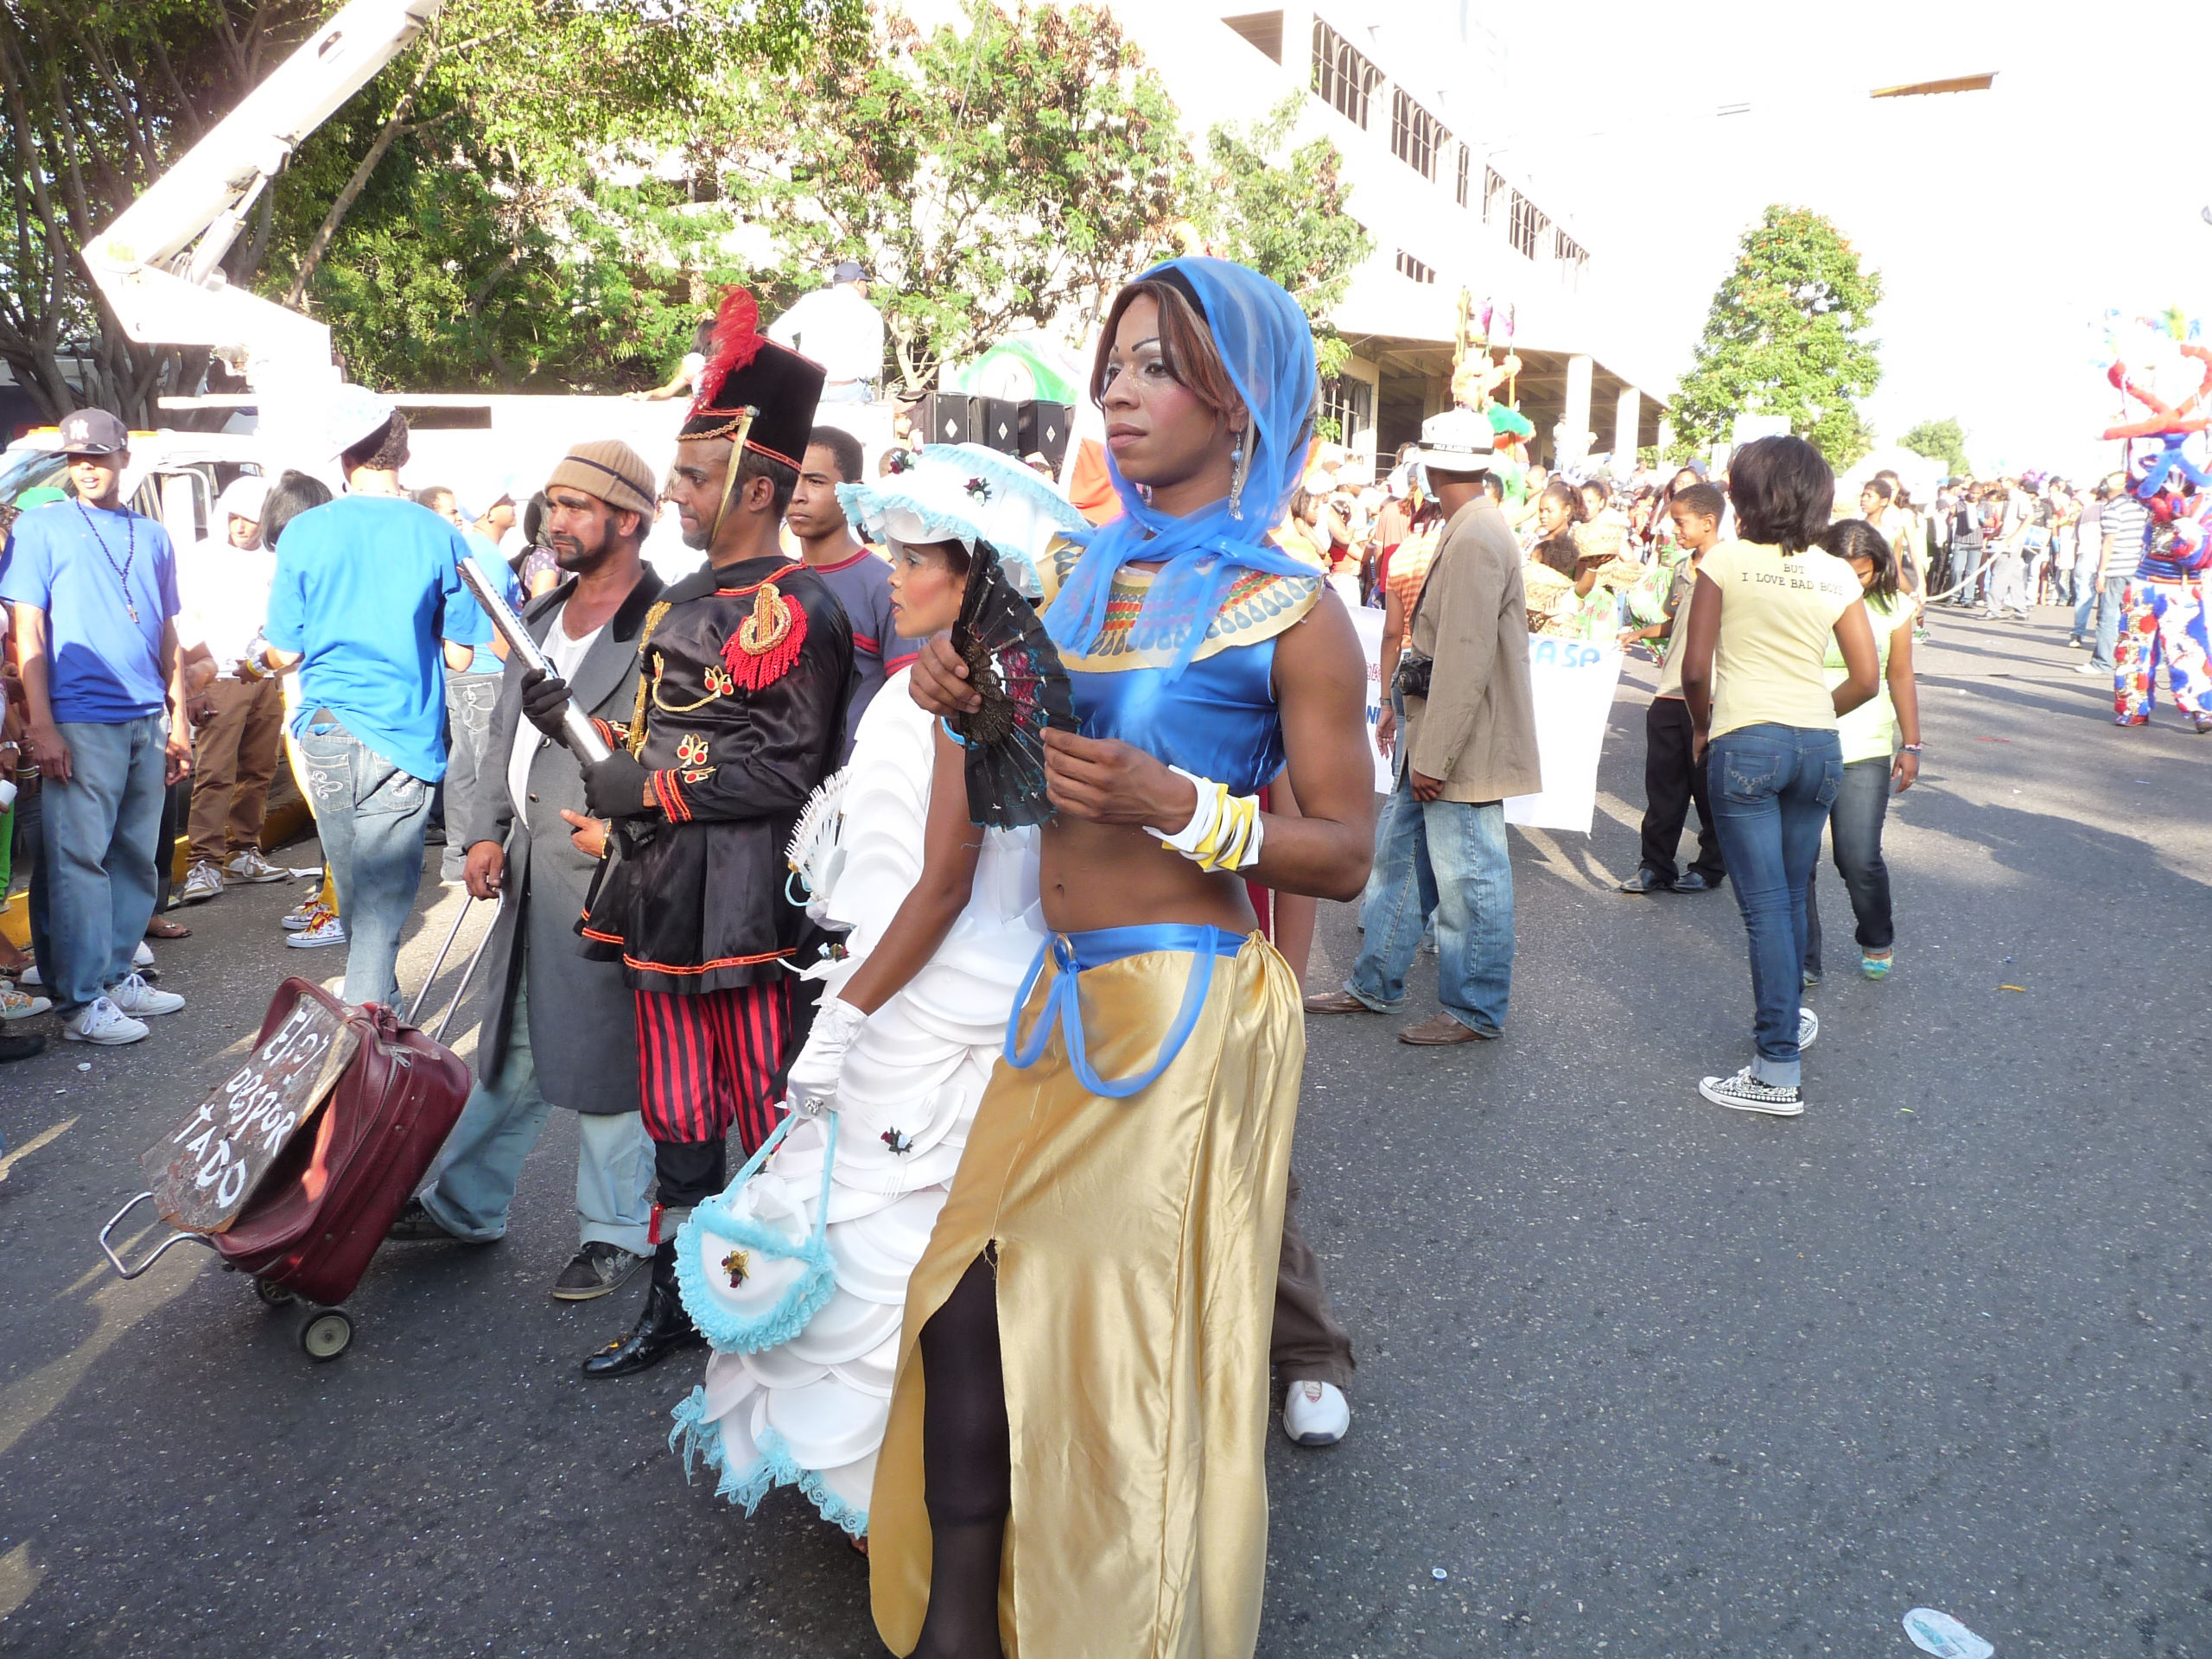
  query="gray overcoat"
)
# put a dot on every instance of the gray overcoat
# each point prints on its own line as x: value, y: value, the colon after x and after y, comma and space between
x: 582, y: 1019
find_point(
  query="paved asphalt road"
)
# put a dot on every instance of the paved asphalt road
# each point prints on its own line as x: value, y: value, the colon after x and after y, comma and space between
x: 1641, y: 1376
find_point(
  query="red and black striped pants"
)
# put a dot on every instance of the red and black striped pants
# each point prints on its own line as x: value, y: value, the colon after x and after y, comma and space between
x: 709, y: 1060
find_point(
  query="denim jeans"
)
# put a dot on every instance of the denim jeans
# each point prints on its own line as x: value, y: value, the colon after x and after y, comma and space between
x: 470, y: 699
x: 95, y: 862
x: 1965, y: 568
x: 473, y: 1182
x: 1449, y: 857
x: 372, y: 816
x: 1862, y: 803
x: 2109, y: 606
x: 1772, y: 787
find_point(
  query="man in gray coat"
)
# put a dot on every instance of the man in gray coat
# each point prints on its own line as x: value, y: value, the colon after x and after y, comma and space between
x: 559, y: 1029
x: 1470, y: 742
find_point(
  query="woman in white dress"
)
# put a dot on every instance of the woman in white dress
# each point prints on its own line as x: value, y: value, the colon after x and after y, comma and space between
x: 944, y: 924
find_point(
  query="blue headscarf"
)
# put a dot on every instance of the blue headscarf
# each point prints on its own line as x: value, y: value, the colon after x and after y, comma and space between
x: 1267, y: 345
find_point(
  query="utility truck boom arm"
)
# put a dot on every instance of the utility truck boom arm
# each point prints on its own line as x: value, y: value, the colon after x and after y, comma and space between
x: 159, y: 264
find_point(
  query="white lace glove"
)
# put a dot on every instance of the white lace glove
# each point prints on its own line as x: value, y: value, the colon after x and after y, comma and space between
x: 813, y: 1083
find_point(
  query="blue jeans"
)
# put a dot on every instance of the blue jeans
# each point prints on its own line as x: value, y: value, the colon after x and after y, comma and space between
x: 372, y: 816
x: 96, y: 861
x: 1862, y: 804
x: 2114, y: 600
x: 1449, y: 857
x: 470, y: 699
x: 1771, y: 788
x: 1966, y: 566
x: 473, y: 1183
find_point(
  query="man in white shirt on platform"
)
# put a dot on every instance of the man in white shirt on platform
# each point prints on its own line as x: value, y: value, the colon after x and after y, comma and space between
x: 838, y: 328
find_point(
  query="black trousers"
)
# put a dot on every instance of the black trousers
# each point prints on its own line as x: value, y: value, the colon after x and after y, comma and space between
x: 1670, y: 783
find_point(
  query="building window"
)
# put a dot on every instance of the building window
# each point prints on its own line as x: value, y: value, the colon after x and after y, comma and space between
x: 1416, y: 136
x: 1493, y: 187
x: 1349, y: 406
x: 1343, y: 79
x: 1529, y: 223
x: 1462, y: 176
x: 1411, y: 267
x: 1571, y: 254
x: 1263, y: 28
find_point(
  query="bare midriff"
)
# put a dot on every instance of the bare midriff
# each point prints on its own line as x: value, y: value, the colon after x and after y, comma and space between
x: 1094, y: 875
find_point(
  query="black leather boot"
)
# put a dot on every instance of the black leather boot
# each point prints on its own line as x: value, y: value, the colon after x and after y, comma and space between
x: 661, y: 1329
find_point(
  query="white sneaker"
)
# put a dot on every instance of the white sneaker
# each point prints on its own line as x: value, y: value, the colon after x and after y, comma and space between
x: 1315, y: 1413
x: 137, y: 998
x: 202, y: 881
x: 302, y: 914
x: 100, y: 1021
x: 1746, y: 1093
x: 19, y: 1005
x: 29, y: 975
x: 1809, y: 1027
x: 323, y: 928
x: 250, y: 866
x: 143, y: 956
x: 2091, y: 668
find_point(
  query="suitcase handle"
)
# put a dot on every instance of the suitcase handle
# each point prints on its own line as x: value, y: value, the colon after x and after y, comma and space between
x: 160, y: 1250
x: 460, y: 991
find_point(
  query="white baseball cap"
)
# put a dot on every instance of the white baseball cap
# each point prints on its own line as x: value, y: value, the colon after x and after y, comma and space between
x: 1458, y: 440
x: 353, y: 414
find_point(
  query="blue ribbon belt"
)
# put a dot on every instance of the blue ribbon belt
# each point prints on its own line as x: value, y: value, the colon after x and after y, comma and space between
x: 1072, y: 953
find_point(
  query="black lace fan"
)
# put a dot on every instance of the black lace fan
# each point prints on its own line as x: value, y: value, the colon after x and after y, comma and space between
x: 1025, y: 689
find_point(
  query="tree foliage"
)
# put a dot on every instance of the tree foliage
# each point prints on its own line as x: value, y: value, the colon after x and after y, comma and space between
x: 1283, y: 212
x: 990, y: 178
x: 498, y: 110
x: 1786, y: 336
x: 1944, y: 441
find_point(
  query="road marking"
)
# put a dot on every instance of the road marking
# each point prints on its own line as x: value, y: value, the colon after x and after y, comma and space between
x: 33, y: 1144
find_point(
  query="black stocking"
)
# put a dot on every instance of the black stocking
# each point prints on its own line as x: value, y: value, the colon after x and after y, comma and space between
x: 966, y: 1468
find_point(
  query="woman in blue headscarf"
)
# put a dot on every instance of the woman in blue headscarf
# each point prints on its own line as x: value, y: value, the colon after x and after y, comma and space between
x: 1073, y: 1464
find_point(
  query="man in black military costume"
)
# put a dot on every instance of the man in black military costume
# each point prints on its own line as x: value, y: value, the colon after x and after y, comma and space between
x: 740, y: 715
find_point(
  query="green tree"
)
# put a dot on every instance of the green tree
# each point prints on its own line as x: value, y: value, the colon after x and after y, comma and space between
x: 1786, y: 336
x: 502, y: 115
x: 1284, y: 212
x: 1944, y: 441
x: 992, y: 178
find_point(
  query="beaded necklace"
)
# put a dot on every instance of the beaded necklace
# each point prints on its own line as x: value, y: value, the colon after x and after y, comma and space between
x: 130, y: 554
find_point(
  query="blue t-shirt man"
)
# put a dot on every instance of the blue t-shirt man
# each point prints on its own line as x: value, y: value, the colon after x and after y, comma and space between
x: 486, y: 552
x: 107, y: 583
x: 367, y: 588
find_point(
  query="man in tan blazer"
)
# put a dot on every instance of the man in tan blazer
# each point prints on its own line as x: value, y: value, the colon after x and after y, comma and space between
x: 1470, y: 742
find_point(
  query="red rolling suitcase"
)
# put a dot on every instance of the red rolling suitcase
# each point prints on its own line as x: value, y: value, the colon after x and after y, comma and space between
x: 293, y: 1170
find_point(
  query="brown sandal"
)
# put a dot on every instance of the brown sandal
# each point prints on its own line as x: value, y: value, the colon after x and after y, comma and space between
x: 161, y: 928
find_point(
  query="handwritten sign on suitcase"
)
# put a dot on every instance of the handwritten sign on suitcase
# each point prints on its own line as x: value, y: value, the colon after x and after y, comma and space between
x: 204, y: 1171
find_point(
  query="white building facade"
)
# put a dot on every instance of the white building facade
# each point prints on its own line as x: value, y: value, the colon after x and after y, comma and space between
x: 1416, y: 95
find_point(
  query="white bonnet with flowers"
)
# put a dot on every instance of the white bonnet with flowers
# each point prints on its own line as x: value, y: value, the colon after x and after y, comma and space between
x: 964, y: 492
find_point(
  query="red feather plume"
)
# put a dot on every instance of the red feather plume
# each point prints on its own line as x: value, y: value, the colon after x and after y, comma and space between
x: 735, y: 342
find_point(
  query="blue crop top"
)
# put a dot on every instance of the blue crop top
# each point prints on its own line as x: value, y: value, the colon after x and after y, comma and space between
x: 1218, y: 718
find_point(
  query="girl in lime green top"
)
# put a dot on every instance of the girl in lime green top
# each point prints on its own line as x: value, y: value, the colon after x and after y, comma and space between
x: 1869, y: 737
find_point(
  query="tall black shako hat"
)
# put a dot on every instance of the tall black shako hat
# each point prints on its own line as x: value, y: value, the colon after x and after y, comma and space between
x: 753, y: 392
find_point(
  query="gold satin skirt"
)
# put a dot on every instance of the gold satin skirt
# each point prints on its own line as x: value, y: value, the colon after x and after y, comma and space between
x: 1138, y: 1244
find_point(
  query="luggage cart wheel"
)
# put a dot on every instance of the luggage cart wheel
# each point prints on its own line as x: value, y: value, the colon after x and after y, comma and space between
x: 325, y: 1335
x: 272, y: 1295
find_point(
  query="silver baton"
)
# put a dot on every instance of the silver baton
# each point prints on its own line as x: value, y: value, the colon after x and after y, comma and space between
x: 584, y: 740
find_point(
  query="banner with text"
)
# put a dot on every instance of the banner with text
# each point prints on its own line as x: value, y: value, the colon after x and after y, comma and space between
x: 1574, y: 684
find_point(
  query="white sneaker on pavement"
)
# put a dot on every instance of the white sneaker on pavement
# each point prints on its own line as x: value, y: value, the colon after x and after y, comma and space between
x: 250, y: 866
x: 143, y: 956
x: 139, y: 999
x: 302, y: 914
x: 202, y: 881
x: 323, y: 928
x: 1315, y: 1413
x: 100, y: 1021
x: 1809, y: 1027
x: 19, y: 1005
x: 29, y: 975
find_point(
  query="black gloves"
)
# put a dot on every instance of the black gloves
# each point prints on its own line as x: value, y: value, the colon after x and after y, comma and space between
x: 545, y: 700
x: 615, y: 787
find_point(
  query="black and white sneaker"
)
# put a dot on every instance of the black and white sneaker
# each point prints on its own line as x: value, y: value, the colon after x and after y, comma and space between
x: 1809, y: 1027
x: 1746, y: 1093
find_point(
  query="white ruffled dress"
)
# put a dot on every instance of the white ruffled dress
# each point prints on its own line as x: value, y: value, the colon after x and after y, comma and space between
x: 810, y: 1412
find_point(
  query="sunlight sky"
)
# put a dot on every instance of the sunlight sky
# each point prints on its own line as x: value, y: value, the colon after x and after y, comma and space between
x: 2004, y: 223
